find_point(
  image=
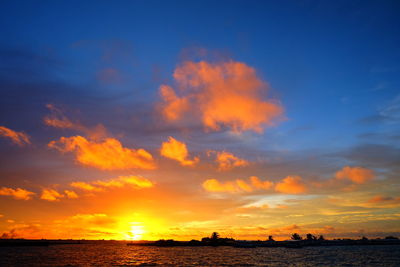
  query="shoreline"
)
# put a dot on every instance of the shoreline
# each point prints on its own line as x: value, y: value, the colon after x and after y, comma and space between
x: 253, y: 244
x: 197, y: 243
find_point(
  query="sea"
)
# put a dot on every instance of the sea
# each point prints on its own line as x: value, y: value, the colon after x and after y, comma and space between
x: 119, y: 254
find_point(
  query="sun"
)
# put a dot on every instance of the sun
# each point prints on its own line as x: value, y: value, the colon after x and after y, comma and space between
x: 136, y: 232
x: 138, y: 226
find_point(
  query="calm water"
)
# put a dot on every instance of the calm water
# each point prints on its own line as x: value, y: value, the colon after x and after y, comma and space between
x: 122, y: 255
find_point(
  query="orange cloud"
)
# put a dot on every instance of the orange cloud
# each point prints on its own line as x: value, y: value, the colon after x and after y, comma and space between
x: 178, y: 151
x: 106, y: 155
x: 226, y: 94
x: 291, y: 185
x: 51, y: 195
x: 18, y: 138
x: 244, y: 186
x: 227, y: 160
x: 86, y: 186
x: 257, y: 183
x: 236, y: 186
x: 18, y: 193
x: 70, y: 194
x: 213, y: 185
x: 137, y: 182
x: 174, y: 105
x: 358, y: 175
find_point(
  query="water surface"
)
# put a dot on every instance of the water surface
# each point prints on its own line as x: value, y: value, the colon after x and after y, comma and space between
x: 122, y: 255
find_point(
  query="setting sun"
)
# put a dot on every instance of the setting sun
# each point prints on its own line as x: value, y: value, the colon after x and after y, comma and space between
x: 136, y: 232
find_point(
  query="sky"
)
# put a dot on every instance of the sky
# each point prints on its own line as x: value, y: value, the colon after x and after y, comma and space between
x: 174, y: 119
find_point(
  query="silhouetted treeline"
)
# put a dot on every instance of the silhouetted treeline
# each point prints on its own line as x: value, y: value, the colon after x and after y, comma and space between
x: 297, y: 241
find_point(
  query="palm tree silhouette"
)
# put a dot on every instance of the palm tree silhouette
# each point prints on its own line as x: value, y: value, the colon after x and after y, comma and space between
x: 296, y: 236
x: 214, y: 236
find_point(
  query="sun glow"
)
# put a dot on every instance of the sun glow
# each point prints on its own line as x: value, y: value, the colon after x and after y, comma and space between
x: 136, y: 232
x: 139, y: 226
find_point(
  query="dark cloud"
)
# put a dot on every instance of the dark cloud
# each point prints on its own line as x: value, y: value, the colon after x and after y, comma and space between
x: 388, y: 113
x: 374, y: 155
x: 380, y: 137
x: 19, y: 62
x: 372, y: 119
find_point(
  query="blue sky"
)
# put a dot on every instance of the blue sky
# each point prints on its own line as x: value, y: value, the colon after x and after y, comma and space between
x: 331, y: 64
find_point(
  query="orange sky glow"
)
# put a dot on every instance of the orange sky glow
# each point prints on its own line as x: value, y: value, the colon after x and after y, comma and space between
x: 93, y: 180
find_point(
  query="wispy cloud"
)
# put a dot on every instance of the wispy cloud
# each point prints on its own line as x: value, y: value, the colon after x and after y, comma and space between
x: 57, y: 119
x: 132, y: 180
x: 391, y: 112
x: 383, y: 202
x: 226, y: 94
x: 86, y: 186
x: 381, y: 199
x: 137, y: 182
x: 178, y: 151
x: 18, y: 138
